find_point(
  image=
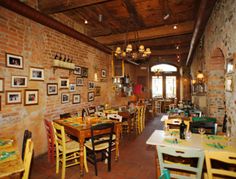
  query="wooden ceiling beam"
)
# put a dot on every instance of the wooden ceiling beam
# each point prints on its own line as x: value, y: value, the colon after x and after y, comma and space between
x: 169, y: 52
x: 56, y: 6
x: 151, y: 33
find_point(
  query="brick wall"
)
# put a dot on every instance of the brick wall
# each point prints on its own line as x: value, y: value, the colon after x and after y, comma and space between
x: 219, y: 44
x: 37, y: 45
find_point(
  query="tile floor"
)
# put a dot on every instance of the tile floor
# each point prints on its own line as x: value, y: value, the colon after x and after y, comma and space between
x: 136, y: 160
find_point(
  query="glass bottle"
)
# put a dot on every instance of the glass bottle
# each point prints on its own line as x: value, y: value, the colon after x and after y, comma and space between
x: 182, y: 130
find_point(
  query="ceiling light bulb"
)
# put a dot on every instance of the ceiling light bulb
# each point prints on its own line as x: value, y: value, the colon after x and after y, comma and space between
x: 177, y: 47
x: 175, y: 27
x: 141, y: 49
x: 85, y: 21
x: 129, y: 48
x: 178, y: 56
x: 100, y: 17
x: 166, y: 16
x: 148, y: 51
x: 118, y: 50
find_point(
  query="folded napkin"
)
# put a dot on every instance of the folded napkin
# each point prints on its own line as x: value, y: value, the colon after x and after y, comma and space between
x: 4, y: 155
x: 5, y: 142
x: 75, y: 125
x: 216, y: 145
x: 214, y: 137
x: 172, y: 141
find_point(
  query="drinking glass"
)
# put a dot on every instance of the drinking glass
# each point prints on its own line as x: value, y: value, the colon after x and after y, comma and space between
x: 166, y: 129
x: 228, y: 135
x: 188, y: 135
x: 201, y: 131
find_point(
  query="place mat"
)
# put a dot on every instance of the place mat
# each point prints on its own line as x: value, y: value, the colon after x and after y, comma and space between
x: 215, y: 137
x: 77, y: 124
x: 172, y: 141
x: 7, y: 156
x: 216, y: 145
x: 5, y: 143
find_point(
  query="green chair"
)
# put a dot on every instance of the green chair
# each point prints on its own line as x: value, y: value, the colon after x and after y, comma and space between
x: 187, y: 161
x: 165, y: 174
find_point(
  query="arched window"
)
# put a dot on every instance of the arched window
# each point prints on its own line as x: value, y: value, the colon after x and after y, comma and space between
x: 163, y: 68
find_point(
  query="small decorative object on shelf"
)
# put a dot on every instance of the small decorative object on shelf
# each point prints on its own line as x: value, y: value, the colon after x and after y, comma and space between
x: 62, y: 61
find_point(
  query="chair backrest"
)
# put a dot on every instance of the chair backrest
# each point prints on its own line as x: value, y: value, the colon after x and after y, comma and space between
x: 175, y: 123
x: 91, y: 110
x: 211, y: 127
x: 28, y: 157
x: 227, y: 158
x: 100, y: 114
x: 104, y: 131
x: 59, y: 136
x: 116, y: 117
x: 65, y: 115
x: 49, y: 130
x: 100, y: 108
x: 179, y: 153
x: 27, y: 135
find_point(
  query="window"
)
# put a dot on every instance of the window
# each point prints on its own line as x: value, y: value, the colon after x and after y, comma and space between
x: 157, y: 86
x: 163, y: 68
x: 170, y: 86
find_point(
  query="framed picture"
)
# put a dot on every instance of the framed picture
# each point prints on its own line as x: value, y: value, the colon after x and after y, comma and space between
x: 36, y: 74
x: 91, y: 85
x: 31, y: 97
x: 76, y: 99
x: 14, y: 61
x: 77, y: 70
x: 13, y: 97
x: 229, y: 65
x: 84, y: 72
x: 72, y: 87
x: 52, y: 89
x: 19, y: 81
x: 65, y: 98
x: 229, y: 83
x: 97, y: 90
x: 90, y: 96
x: 1, y: 85
x: 79, y: 81
x: 64, y: 83
x: 104, y: 73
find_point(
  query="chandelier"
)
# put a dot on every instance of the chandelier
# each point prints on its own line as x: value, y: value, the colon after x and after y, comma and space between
x: 135, y: 51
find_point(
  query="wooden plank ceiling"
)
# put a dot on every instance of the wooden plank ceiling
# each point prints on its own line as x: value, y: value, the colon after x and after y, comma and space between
x: 121, y: 19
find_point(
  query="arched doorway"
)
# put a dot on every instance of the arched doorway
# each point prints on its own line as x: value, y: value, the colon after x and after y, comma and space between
x: 164, y: 80
x: 215, y: 85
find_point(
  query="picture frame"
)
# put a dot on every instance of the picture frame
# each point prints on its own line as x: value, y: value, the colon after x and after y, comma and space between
x: 64, y: 83
x: 97, y: 90
x: 91, y: 85
x: 77, y: 70
x: 14, y: 61
x: 13, y: 97
x: 31, y: 97
x: 84, y: 72
x: 103, y: 73
x: 52, y: 89
x: 229, y: 83
x: 72, y: 88
x: 90, y: 96
x: 36, y: 74
x: 19, y: 81
x: 229, y: 65
x: 65, y: 98
x: 79, y: 81
x: 1, y: 85
x: 76, y: 98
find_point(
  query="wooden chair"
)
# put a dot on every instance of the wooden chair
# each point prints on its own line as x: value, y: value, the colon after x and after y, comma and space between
x: 28, y: 157
x: 66, y: 151
x: 100, y: 108
x: 226, y: 159
x: 167, y: 155
x: 91, y: 110
x: 138, y: 120
x: 175, y: 123
x: 157, y: 106
x: 50, y: 140
x: 211, y: 127
x: 65, y: 115
x: 101, y: 142
x: 100, y: 114
x: 27, y: 135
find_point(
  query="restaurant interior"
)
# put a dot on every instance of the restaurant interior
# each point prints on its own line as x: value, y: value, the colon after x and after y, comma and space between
x: 117, y: 89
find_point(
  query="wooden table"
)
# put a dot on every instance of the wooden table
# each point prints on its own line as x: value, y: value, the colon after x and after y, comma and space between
x: 13, y: 164
x: 197, y: 141
x: 83, y: 131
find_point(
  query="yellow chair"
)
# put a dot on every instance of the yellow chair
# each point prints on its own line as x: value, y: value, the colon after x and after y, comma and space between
x: 138, y: 120
x: 173, y: 123
x: 27, y: 158
x: 228, y: 158
x: 66, y: 151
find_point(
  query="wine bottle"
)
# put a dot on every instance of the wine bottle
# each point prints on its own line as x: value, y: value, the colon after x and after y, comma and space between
x: 182, y: 130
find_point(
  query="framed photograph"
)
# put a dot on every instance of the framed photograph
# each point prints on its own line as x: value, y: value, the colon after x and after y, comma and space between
x: 104, y: 73
x: 52, y: 89
x: 31, y: 97
x: 14, y: 61
x: 76, y: 99
x: 72, y: 87
x: 13, y: 97
x: 229, y: 65
x: 84, y: 72
x: 229, y: 83
x: 1, y: 85
x: 97, y: 90
x: 65, y: 98
x: 79, y: 81
x: 77, y: 70
x: 64, y: 83
x: 36, y: 74
x: 91, y: 85
x: 19, y: 81
x: 90, y: 96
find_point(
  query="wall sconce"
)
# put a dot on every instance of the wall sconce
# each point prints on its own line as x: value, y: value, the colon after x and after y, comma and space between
x: 193, y: 82
x: 200, y: 77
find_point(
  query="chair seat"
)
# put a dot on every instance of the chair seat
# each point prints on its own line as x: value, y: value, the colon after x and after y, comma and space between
x: 103, y: 146
x: 71, y: 146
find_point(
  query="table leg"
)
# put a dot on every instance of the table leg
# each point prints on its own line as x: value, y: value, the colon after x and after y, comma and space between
x: 158, y: 173
x: 129, y: 124
x: 117, y: 141
x: 81, y: 141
